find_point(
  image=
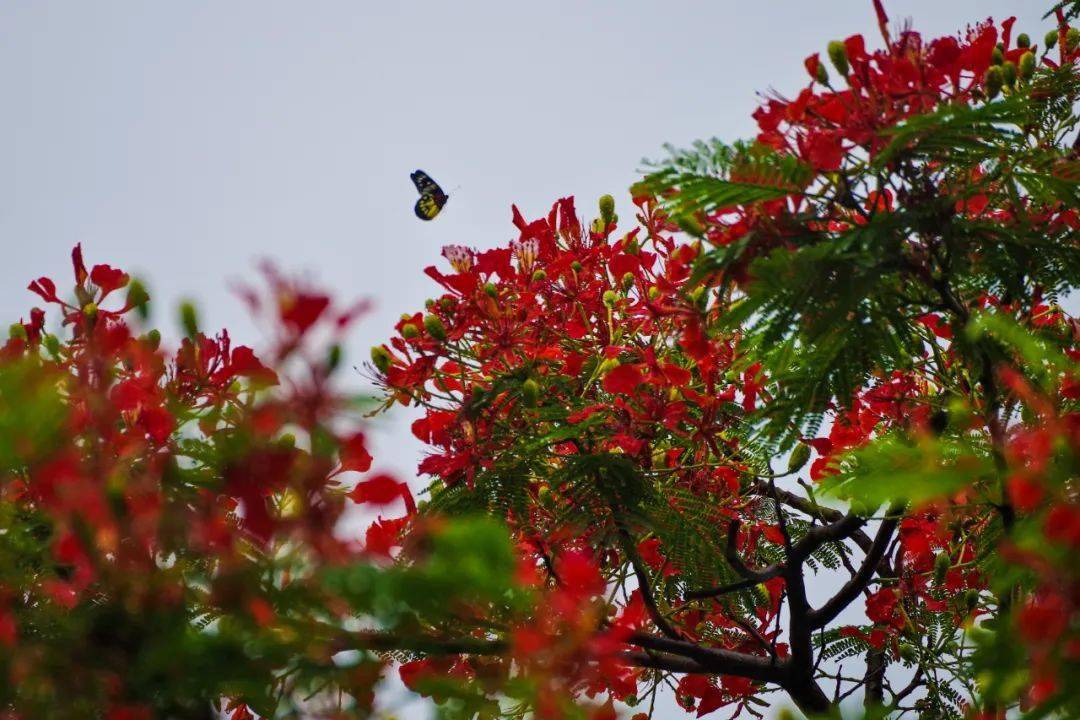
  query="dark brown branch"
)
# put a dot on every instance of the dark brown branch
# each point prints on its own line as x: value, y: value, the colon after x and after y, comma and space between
x: 851, y: 589
x: 647, y: 596
x: 661, y: 661
x: 715, y: 660
x: 732, y: 556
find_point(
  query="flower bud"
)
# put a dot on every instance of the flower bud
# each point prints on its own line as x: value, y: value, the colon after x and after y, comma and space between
x: 380, y: 358
x: 838, y: 55
x: 971, y: 599
x: 17, y: 330
x: 1008, y: 73
x: 997, y: 56
x: 530, y: 392
x: 1026, y: 68
x: 610, y: 298
x: 539, y: 276
x: 1023, y: 40
x: 544, y: 495
x: 607, y: 209
x: 409, y: 331
x: 942, y: 563
x: 429, y: 304
x: 798, y: 458
x: 52, y: 344
x: 90, y: 310
x: 627, y: 280
x: 908, y: 652
x: 446, y: 303
x: 1072, y: 39
x: 434, y: 325
x: 1051, y: 38
x: 287, y: 440
x: 654, y: 292
x: 153, y: 339
x: 333, y: 358
x: 137, y: 297
x: 992, y: 81
x: 575, y: 266
x: 698, y: 296
x: 490, y: 290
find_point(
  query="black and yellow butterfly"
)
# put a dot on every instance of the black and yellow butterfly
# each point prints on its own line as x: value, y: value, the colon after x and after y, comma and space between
x: 432, y: 197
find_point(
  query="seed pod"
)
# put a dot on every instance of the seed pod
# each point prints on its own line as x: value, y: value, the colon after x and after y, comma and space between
x: 380, y: 358
x: 409, y: 331
x: 434, y: 325
x: 838, y: 55
x: 798, y: 458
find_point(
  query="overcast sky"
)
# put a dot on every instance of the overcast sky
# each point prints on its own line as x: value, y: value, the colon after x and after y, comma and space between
x: 185, y: 140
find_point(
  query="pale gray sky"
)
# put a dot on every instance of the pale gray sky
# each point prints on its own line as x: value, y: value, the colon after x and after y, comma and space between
x: 184, y: 140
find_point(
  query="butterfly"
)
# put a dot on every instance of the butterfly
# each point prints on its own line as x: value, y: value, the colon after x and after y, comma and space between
x: 432, y: 197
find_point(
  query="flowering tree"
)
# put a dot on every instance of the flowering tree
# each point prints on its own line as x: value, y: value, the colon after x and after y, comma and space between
x: 871, y: 284
x: 808, y: 427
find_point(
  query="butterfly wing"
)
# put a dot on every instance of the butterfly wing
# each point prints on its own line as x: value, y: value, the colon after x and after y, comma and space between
x: 432, y: 197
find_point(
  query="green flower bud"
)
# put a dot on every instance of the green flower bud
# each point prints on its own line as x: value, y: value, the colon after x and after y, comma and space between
x: 575, y: 266
x: 971, y: 599
x: 1051, y: 38
x: 544, y: 495
x: 631, y: 247
x: 287, y: 440
x: 1026, y: 68
x: 446, y: 303
x: 942, y: 563
x: 409, y: 331
x: 333, y: 358
x: 17, y: 330
x: 530, y: 392
x: 434, y: 325
x: 627, y: 281
x: 539, y: 275
x: 997, y: 56
x: 153, y: 339
x: 698, y: 296
x: 993, y: 80
x: 598, y: 226
x: 607, y: 209
x: 189, y: 319
x: 137, y: 297
x: 798, y: 458
x: 838, y: 55
x: 405, y: 317
x: 1072, y: 38
x: 1023, y: 40
x: 822, y: 74
x: 610, y: 298
x: 908, y: 652
x: 429, y: 304
x: 1008, y: 73
x: 380, y: 358
x: 52, y: 344
x: 90, y: 310
x: 490, y: 290
x: 654, y: 292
